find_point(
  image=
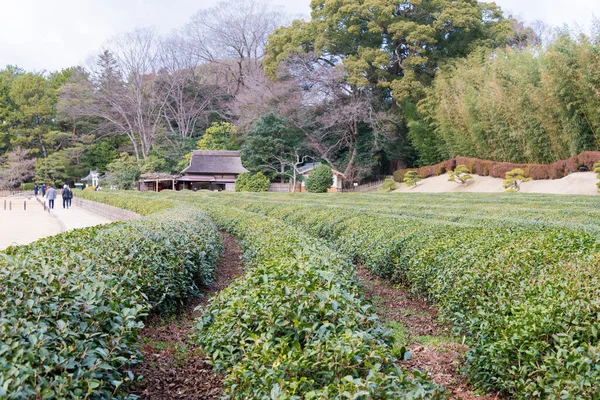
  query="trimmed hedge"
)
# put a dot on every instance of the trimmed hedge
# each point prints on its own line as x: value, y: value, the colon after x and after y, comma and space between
x: 295, y: 325
x: 71, y: 305
x: 498, y: 169
x: 525, y: 298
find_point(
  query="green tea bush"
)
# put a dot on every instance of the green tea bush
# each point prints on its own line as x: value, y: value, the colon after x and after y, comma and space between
x: 71, y: 305
x: 524, y: 298
x: 127, y: 201
x: 295, y: 325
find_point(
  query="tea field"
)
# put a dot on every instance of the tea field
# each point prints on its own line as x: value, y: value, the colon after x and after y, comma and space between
x: 515, y: 275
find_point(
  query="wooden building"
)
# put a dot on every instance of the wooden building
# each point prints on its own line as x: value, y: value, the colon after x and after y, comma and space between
x: 212, y: 170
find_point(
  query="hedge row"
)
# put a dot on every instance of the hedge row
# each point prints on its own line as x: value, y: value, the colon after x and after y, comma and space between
x: 526, y: 299
x: 497, y: 169
x: 295, y: 325
x: 71, y: 305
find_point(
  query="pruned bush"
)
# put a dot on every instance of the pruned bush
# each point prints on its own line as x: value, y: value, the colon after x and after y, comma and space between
x: 399, y: 175
x: 460, y: 175
x: 412, y: 178
x: 294, y: 326
x: 514, y: 179
x: 71, y: 305
x: 320, y: 179
x: 388, y: 185
x: 514, y: 290
x: 247, y: 182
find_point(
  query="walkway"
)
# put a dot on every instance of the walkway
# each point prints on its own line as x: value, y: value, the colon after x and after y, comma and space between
x: 75, y: 217
x: 19, y: 226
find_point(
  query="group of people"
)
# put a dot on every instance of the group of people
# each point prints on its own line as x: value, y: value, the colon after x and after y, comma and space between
x: 50, y: 194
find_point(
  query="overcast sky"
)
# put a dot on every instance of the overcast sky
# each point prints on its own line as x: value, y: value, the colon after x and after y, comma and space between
x: 54, y: 34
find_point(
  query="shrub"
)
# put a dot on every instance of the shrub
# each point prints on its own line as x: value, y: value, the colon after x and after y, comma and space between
x: 460, y: 175
x: 71, y: 305
x: 294, y: 326
x: 27, y: 186
x: 399, y: 175
x: 252, y: 183
x: 388, y: 185
x: 514, y: 179
x: 412, y: 178
x: 320, y: 179
x: 516, y: 291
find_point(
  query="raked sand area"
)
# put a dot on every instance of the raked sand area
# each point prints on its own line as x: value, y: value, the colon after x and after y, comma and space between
x: 19, y: 226
x: 576, y: 183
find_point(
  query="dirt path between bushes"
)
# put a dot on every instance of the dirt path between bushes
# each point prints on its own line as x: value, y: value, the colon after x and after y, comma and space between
x: 415, y: 326
x: 174, y: 367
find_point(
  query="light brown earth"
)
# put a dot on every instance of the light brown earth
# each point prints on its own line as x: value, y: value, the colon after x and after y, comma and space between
x: 19, y: 226
x: 576, y: 183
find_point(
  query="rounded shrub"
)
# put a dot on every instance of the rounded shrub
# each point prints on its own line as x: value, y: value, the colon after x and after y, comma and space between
x: 320, y: 179
x: 252, y: 183
x: 388, y: 185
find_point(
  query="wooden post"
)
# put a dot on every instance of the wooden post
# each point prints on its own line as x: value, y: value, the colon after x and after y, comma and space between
x: 173, y: 182
x: 156, y: 188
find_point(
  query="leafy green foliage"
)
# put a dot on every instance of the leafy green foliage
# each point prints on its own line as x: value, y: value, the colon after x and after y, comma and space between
x: 247, y: 182
x: 219, y: 136
x: 72, y: 304
x: 294, y: 326
x: 320, y: 179
x: 514, y: 179
x: 517, y: 284
x: 388, y: 185
x: 460, y: 175
x: 412, y: 178
x: 123, y: 172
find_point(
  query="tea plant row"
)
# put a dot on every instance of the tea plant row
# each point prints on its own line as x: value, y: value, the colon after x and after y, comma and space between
x: 72, y: 305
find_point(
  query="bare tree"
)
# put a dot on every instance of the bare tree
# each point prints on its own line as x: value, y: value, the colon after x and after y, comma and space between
x: 16, y: 168
x: 233, y: 35
x: 122, y: 90
x: 191, y: 94
x: 332, y: 113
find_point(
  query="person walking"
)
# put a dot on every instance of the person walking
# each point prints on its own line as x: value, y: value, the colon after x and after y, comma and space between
x: 51, y: 195
x: 67, y: 195
x: 36, y: 190
x: 43, y: 190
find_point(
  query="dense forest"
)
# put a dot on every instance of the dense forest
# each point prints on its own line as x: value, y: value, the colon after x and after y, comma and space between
x: 367, y: 86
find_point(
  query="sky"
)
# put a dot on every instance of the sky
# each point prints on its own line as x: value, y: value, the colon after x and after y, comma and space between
x: 50, y: 35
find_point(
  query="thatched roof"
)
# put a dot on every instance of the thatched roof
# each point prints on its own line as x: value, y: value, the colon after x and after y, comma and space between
x: 215, y: 162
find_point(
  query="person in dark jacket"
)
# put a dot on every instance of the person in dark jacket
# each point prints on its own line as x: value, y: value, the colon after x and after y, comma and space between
x: 43, y: 190
x: 36, y: 189
x: 67, y: 195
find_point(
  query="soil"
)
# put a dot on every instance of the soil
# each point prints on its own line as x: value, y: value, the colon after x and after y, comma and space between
x: 174, y: 367
x: 430, y: 342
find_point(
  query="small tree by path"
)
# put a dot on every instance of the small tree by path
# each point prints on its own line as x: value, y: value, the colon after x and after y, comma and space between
x: 514, y: 179
x: 460, y: 175
x: 597, y: 171
x: 412, y: 178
